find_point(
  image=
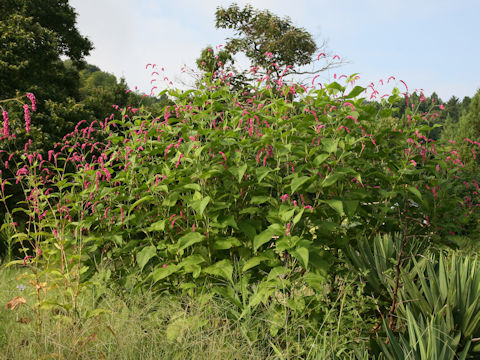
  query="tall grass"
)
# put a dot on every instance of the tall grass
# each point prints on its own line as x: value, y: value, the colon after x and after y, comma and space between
x: 118, y: 324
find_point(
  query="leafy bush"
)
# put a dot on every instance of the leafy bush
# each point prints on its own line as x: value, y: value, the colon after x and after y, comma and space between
x: 250, y: 196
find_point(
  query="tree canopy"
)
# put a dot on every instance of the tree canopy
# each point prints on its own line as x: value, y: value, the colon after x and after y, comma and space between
x: 34, y: 35
x: 258, y: 33
x: 269, y: 42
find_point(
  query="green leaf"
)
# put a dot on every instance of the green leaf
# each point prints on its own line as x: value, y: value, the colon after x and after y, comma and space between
x: 139, y: 201
x: 145, y: 255
x: 227, y: 220
x: 335, y: 85
x: 357, y: 90
x: 330, y: 145
x: 200, y: 205
x: 320, y: 159
x: 195, y: 187
x: 262, y: 172
x: 247, y: 229
x: 286, y: 215
x: 315, y: 281
x: 254, y: 261
x: 223, y: 268
x: 172, y: 199
x: 163, y: 272
x: 351, y: 207
x: 297, y: 217
x: 224, y: 244
x: 336, y: 205
x: 266, y: 235
x: 188, y: 240
x: 157, y: 226
x: 302, y: 255
x: 415, y: 192
x: 259, y: 199
x: 297, y: 182
x: 238, y: 171
x: 331, y: 179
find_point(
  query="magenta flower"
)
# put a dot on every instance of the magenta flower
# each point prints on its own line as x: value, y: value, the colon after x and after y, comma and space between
x: 6, y: 126
x: 27, y: 117
x: 33, y: 101
x: 178, y: 161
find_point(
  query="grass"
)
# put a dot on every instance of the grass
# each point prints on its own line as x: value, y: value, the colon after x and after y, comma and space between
x: 140, y: 326
x: 115, y: 324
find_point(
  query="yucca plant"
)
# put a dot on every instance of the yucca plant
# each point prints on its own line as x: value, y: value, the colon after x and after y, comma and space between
x: 426, y: 338
x: 449, y: 288
x: 375, y: 259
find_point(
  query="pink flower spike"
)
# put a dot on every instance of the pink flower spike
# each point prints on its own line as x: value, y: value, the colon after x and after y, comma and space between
x: 178, y: 161
x: 33, y: 101
x: 288, y: 229
x: 6, y: 126
x: 27, y: 117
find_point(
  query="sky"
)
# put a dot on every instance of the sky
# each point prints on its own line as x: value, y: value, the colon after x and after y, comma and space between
x: 429, y: 44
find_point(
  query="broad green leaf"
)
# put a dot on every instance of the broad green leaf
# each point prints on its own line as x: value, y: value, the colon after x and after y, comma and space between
x: 224, y: 244
x: 330, y: 145
x: 297, y: 217
x: 188, y: 240
x: 227, y: 220
x: 415, y: 192
x: 357, y: 90
x: 139, y: 201
x: 336, y: 205
x: 297, y: 182
x: 171, y: 199
x: 194, y: 259
x: 262, y: 172
x: 351, y: 207
x: 259, y: 199
x: 335, y: 85
x: 254, y: 261
x: 331, y: 179
x: 287, y: 214
x: 163, y: 272
x: 195, y: 187
x: 145, y: 255
x: 315, y: 281
x: 200, y: 205
x: 223, y: 268
x: 238, y: 171
x: 266, y: 235
x: 247, y: 228
x: 320, y: 159
x: 302, y: 255
x: 157, y: 226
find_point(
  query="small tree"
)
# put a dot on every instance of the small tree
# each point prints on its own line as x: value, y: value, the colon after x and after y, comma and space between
x: 270, y: 43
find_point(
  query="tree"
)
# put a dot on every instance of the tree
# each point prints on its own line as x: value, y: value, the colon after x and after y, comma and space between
x: 268, y: 41
x: 469, y: 128
x: 35, y: 34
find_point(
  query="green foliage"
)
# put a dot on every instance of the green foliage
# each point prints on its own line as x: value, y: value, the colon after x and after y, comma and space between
x: 249, y: 197
x: 261, y: 32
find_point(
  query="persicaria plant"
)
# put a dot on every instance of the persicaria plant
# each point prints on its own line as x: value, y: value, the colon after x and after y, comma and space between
x: 266, y: 183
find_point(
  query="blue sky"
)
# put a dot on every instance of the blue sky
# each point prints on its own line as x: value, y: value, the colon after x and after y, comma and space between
x: 431, y: 45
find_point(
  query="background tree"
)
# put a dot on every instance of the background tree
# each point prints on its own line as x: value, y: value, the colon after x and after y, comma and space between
x: 268, y: 41
x: 35, y: 35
